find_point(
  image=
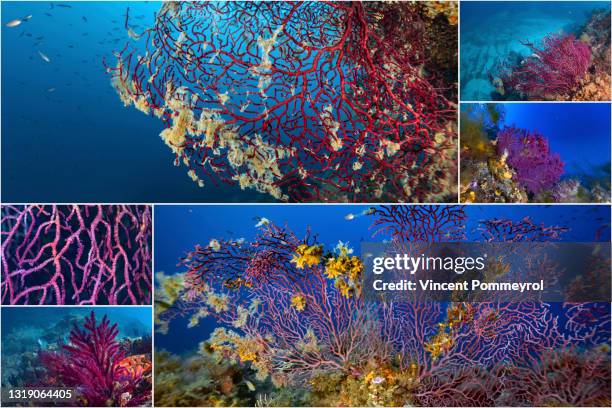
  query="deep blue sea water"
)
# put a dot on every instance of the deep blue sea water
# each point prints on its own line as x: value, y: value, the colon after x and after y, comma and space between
x: 491, y: 30
x: 179, y: 228
x: 130, y: 321
x: 66, y: 136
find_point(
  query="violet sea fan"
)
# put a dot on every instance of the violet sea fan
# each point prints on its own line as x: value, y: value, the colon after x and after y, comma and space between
x: 529, y: 154
x: 553, y: 70
x: 91, y: 364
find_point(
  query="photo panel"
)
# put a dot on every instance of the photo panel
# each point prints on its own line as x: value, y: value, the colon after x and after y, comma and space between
x: 76, y: 356
x: 76, y: 254
x: 535, y: 51
x: 535, y: 153
x: 278, y: 306
x: 306, y: 203
x: 230, y: 101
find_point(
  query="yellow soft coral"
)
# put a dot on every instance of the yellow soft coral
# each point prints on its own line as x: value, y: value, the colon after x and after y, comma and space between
x: 354, y: 268
x: 342, y: 249
x: 343, y: 287
x: 246, y: 355
x: 351, y: 267
x: 439, y: 344
x: 333, y: 268
x: 298, y: 302
x: 218, y: 302
x: 456, y: 315
x: 307, y: 255
x: 245, y: 348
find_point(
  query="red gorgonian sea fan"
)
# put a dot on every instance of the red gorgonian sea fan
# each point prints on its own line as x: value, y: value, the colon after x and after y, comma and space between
x: 76, y: 254
x: 92, y: 363
x: 555, y: 69
x: 298, y: 326
x: 305, y: 101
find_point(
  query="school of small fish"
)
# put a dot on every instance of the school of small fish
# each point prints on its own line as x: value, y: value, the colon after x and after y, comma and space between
x: 117, y: 34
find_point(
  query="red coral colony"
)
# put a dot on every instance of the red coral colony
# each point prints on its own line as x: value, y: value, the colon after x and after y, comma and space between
x: 566, y: 66
x: 98, y: 368
x: 556, y: 69
x: 304, y: 101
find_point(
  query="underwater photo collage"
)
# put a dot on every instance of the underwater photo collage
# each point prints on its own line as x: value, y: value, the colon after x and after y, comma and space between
x: 306, y: 203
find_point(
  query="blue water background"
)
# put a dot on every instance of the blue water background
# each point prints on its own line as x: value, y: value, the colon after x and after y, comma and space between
x: 130, y: 320
x: 491, y: 30
x: 78, y: 143
x: 179, y: 228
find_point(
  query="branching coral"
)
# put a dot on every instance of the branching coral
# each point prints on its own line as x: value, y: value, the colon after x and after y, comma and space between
x: 297, y: 326
x: 554, y: 70
x: 98, y: 368
x: 524, y: 230
x: 528, y: 153
x: 421, y: 223
x: 304, y: 101
x: 79, y: 254
x: 561, y: 378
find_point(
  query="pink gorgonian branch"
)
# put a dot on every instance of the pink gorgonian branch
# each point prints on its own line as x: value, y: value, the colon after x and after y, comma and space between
x: 527, y: 152
x: 555, y: 69
x: 94, y: 363
x: 79, y: 254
